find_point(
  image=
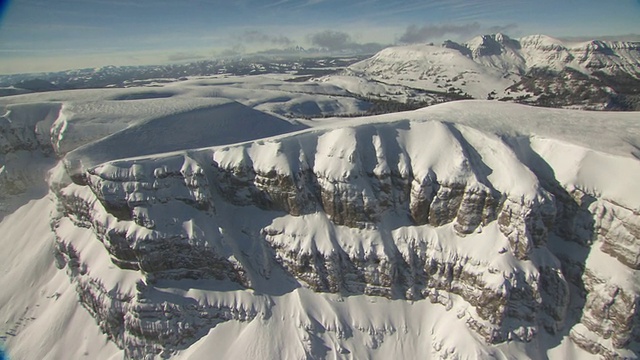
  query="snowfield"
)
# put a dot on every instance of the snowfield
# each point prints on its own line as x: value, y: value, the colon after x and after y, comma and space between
x: 135, y: 222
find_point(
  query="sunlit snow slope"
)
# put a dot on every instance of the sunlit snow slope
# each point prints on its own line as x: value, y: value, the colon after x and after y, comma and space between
x: 534, y: 69
x: 189, y: 226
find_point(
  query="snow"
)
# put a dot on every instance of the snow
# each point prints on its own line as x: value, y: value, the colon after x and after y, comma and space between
x: 504, y: 170
x: 584, y: 128
x: 573, y: 143
x: 541, y: 51
x: 497, y: 52
x: 131, y: 135
x: 37, y: 301
x: 370, y: 88
x: 296, y: 324
x: 93, y: 252
x: 274, y: 95
x: 432, y: 68
x: 483, y: 66
x: 592, y: 171
x: 540, y: 41
x: 220, y: 122
x: 271, y: 155
x: 481, y: 251
x: 306, y: 324
x: 613, y: 272
x: 426, y: 137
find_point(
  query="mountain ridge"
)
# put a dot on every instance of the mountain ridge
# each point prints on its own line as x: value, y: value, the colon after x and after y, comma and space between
x: 214, y: 216
x: 536, y: 69
x: 513, y: 226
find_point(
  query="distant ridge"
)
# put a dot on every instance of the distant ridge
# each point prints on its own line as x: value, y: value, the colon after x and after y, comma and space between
x: 535, y: 69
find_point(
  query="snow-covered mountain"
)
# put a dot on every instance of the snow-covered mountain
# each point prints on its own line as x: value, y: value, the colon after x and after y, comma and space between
x: 534, y: 69
x: 540, y: 51
x: 174, y: 223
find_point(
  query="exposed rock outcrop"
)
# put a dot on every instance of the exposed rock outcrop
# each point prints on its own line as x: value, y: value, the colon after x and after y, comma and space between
x: 143, y: 328
x: 342, y: 220
x: 25, y: 147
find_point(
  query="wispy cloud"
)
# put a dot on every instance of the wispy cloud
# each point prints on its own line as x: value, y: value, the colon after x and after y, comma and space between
x: 55, y: 27
x: 233, y: 51
x: 65, y: 62
x: 185, y: 56
x: 254, y: 36
x: 332, y: 40
x: 99, y: 26
x: 292, y: 4
x: 416, y: 34
x: 273, y: 4
x: 429, y: 32
x: 502, y: 28
x: 625, y: 37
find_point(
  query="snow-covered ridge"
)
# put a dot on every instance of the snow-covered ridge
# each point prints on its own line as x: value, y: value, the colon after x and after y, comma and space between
x: 215, y: 122
x: 375, y: 237
x: 433, y: 186
x: 541, y: 51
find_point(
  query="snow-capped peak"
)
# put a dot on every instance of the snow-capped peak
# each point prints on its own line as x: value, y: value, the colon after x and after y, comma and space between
x: 541, y: 42
x: 494, y: 44
x: 497, y: 66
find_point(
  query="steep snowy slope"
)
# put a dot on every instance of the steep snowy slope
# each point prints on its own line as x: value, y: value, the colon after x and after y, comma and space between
x: 40, y: 316
x: 513, y: 227
x: 214, y: 122
x: 433, y: 68
x: 497, y: 52
x: 540, y: 51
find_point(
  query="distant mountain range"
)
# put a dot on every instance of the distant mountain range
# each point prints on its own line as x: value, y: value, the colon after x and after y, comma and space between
x: 300, y: 63
x: 535, y: 70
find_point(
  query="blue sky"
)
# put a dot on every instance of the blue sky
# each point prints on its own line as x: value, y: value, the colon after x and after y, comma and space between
x: 45, y: 35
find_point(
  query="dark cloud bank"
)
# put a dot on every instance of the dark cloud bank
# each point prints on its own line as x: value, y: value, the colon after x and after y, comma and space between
x: 417, y: 34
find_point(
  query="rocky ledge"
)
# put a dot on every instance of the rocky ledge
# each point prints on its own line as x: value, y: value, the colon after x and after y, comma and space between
x: 366, y: 210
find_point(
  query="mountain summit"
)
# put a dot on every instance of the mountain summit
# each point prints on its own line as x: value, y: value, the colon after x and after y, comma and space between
x: 536, y: 69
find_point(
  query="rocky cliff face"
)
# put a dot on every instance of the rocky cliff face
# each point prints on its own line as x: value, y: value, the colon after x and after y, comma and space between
x: 25, y: 147
x: 540, y: 51
x: 141, y: 319
x: 143, y: 328
x: 609, y: 318
x: 404, y: 210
